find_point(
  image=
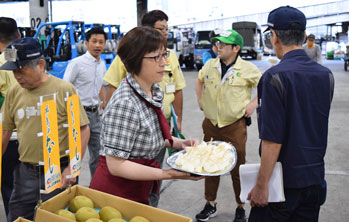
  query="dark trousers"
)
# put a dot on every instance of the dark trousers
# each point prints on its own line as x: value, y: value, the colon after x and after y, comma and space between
x: 236, y: 134
x: 26, y: 191
x: 9, y: 163
x: 301, y: 205
x: 94, y: 142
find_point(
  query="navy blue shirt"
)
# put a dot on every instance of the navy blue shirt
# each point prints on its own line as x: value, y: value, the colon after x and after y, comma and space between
x: 294, y: 99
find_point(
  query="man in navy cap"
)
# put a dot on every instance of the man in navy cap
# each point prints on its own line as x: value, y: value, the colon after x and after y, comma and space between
x: 21, y: 110
x: 294, y: 99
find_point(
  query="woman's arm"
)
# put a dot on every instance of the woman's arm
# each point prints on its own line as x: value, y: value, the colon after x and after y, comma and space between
x: 135, y: 171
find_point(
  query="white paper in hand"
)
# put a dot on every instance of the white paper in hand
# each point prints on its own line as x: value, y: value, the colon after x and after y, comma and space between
x: 248, y: 179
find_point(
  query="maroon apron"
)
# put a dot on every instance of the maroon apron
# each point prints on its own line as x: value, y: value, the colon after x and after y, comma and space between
x: 130, y: 189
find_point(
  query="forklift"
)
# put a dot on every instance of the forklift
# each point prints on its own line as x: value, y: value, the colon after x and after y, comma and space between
x: 60, y: 43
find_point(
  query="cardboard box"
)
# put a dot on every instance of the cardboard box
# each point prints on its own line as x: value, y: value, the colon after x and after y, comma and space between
x: 127, y: 208
x: 20, y: 219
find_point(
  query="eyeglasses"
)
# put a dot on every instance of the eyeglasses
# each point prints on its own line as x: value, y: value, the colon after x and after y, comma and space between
x: 220, y: 44
x: 268, y: 35
x: 159, y: 57
x: 162, y: 29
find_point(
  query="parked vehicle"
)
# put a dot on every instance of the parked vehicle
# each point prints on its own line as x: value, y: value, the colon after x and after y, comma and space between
x: 174, y: 41
x: 187, y: 52
x: 201, y: 45
x: 59, y: 41
x: 252, y: 35
x: 181, y: 42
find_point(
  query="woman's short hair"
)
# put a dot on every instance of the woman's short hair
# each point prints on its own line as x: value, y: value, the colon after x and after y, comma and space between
x: 136, y: 43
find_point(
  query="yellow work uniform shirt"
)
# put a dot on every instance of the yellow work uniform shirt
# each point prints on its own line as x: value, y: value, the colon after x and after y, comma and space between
x: 173, y: 75
x: 7, y: 79
x: 224, y: 100
x: 115, y: 73
x: 22, y: 112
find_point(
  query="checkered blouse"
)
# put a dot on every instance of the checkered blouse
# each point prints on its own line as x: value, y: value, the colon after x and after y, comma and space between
x: 130, y: 129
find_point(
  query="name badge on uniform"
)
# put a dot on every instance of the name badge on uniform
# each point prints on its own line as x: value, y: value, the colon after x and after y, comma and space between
x: 231, y: 80
x: 170, y: 87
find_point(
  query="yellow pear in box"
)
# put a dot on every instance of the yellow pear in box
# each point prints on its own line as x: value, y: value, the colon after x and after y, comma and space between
x: 107, y: 213
x: 127, y: 208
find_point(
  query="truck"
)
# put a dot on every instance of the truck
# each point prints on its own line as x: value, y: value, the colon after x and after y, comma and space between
x: 202, y: 44
x: 181, y: 42
x: 174, y: 41
x: 252, y: 34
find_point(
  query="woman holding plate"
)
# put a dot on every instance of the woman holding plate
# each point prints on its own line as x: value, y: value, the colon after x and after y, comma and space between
x: 134, y: 129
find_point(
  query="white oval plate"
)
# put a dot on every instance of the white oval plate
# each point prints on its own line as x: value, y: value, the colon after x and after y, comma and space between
x: 171, y: 161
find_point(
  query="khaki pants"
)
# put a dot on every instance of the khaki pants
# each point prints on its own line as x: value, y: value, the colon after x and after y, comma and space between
x: 236, y: 134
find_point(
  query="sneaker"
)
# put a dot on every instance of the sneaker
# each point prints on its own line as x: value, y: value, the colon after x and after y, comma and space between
x: 240, y: 215
x: 207, y: 212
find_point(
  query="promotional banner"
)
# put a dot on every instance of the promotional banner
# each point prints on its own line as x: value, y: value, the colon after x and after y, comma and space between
x: 74, y: 135
x: 52, y: 168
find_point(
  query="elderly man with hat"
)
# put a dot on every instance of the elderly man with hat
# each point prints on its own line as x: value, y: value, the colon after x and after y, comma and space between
x: 223, y: 89
x: 21, y: 110
x: 294, y: 100
x: 313, y: 50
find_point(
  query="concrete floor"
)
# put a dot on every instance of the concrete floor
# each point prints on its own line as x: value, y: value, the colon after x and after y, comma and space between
x: 186, y: 197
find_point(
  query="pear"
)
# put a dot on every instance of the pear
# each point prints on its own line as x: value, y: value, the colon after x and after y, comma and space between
x: 139, y: 219
x: 66, y: 214
x: 117, y: 220
x: 107, y: 213
x: 80, y: 201
x: 94, y: 220
x: 85, y: 213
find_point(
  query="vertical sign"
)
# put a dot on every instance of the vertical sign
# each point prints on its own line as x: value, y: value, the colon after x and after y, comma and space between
x: 38, y: 10
x: 0, y: 147
x: 74, y: 135
x: 52, y: 168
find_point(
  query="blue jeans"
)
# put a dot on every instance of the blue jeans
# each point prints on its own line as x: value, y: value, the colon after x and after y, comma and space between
x: 9, y: 163
x: 301, y: 205
x: 94, y: 142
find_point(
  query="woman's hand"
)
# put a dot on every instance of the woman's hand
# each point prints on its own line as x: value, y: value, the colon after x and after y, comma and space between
x: 189, y: 142
x: 175, y: 174
x: 180, y: 144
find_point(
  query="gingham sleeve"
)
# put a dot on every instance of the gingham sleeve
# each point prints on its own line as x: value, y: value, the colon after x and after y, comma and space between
x: 121, y: 126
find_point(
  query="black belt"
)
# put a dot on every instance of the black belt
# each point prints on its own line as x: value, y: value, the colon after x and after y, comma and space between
x: 91, y: 108
x: 38, y: 168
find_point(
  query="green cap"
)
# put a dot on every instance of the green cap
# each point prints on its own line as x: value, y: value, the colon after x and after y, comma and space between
x: 230, y: 37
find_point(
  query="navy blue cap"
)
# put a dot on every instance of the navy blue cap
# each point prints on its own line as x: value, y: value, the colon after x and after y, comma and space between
x: 286, y: 18
x: 20, y: 52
